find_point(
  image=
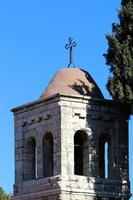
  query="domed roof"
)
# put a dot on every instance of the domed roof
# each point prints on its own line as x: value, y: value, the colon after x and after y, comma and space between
x: 72, y: 81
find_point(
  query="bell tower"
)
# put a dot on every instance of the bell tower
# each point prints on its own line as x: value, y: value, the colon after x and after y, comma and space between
x: 71, y: 144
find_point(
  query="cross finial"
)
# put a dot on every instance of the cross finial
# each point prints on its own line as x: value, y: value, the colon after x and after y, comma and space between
x: 70, y: 46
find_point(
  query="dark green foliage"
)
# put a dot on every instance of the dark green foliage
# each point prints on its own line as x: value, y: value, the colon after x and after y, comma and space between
x: 4, y: 196
x: 120, y: 55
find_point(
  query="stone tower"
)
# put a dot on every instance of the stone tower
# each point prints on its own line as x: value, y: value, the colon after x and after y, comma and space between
x: 71, y: 144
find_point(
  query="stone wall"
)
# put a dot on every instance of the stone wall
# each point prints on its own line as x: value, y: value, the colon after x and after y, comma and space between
x: 63, y: 116
x: 95, y: 118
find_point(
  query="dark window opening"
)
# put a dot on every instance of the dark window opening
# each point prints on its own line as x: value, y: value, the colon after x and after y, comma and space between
x: 48, y: 155
x: 31, y: 159
x: 80, y: 153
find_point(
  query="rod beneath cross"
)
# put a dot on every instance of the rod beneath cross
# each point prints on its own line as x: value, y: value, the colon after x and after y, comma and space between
x: 70, y: 46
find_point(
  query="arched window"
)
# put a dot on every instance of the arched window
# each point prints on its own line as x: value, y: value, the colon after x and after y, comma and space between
x: 80, y: 153
x: 31, y: 159
x: 104, y: 155
x: 48, y: 155
x: 106, y: 159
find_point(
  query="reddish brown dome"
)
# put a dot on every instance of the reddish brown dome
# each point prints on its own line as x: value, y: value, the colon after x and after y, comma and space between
x: 72, y: 81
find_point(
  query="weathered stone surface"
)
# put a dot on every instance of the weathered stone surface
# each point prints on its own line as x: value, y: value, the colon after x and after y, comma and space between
x: 63, y: 116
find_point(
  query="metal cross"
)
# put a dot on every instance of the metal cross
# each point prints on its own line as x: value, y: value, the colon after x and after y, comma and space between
x: 70, y: 46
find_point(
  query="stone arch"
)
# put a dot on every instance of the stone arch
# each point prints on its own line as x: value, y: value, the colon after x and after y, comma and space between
x: 104, y: 163
x: 31, y: 159
x: 48, y: 154
x: 81, y: 153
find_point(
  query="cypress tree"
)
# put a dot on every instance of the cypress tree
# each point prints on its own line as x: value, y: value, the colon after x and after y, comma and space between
x: 119, y: 55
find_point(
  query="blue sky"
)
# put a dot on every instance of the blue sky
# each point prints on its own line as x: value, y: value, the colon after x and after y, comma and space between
x: 33, y: 34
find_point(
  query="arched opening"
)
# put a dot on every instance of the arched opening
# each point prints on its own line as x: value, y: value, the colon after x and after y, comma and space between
x: 31, y: 159
x: 106, y: 159
x: 48, y: 155
x: 104, y: 156
x: 80, y: 153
